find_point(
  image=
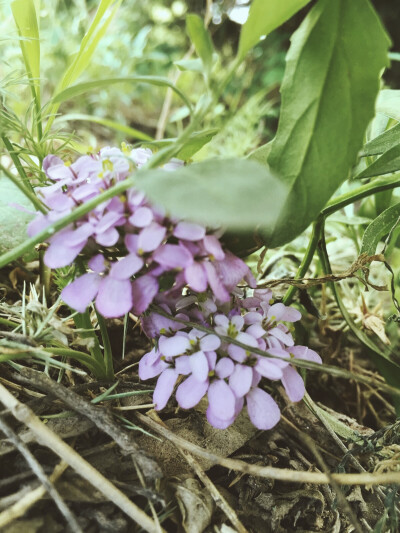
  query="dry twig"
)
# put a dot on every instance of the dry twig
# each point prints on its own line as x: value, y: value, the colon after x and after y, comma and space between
x: 49, y: 439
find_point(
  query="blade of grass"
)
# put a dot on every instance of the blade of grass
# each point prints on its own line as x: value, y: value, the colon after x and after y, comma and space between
x: 24, y: 13
x: 123, y: 128
x: 87, y: 48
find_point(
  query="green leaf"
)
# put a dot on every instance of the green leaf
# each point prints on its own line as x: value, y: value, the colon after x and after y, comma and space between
x: 193, y: 65
x: 87, y: 48
x: 388, y: 103
x: 201, y: 40
x: 81, y: 88
x: 378, y: 228
x: 127, y: 130
x: 235, y: 193
x: 195, y: 142
x: 264, y: 17
x: 26, y: 21
x: 385, y: 164
x: 13, y: 221
x: 328, y: 96
x: 386, y: 140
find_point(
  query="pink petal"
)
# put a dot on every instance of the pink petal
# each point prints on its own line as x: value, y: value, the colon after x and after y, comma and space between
x: 173, y: 346
x: 144, y: 289
x: 126, y: 267
x: 286, y: 338
x: 213, y: 247
x: 303, y: 352
x: 210, y: 342
x: 190, y: 392
x: 97, y: 263
x: 189, y: 231
x: 199, y: 365
x: 268, y: 369
x: 218, y: 422
x: 215, y: 283
x: 196, y: 277
x: 263, y: 411
x: 151, y: 237
x: 142, y: 217
x: 221, y: 400
x: 107, y: 238
x: 114, y: 298
x: 240, y: 380
x: 164, y: 388
x: 151, y: 365
x: 59, y: 255
x: 81, y: 292
x: 173, y: 256
x: 224, y: 367
x: 293, y: 383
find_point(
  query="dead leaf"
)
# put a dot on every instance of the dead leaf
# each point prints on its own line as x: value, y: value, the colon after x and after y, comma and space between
x: 196, y: 505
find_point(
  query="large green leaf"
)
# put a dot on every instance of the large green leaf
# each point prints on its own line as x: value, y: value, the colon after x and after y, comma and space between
x: 378, y: 228
x: 235, y: 193
x: 13, y: 221
x: 264, y: 17
x: 328, y: 96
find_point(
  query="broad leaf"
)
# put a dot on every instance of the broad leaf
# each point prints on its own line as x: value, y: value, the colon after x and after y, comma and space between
x: 235, y: 193
x: 264, y: 17
x: 383, y: 142
x: 26, y: 21
x: 81, y: 88
x: 387, y: 163
x: 378, y: 228
x: 13, y: 221
x: 328, y: 96
x: 201, y: 39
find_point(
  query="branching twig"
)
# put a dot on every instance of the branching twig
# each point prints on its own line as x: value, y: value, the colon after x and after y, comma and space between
x: 270, y: 472
x: 101, y: 417
x: 40, y: 474
x: 49, y: 439
x: 26, y: 502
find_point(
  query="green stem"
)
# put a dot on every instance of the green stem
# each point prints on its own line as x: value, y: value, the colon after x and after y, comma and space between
x: 307, y: 258
x: 16, y: 161
x: 82, y: 321
x: 29, y: 194
x: 108, y: 357
x: 92, y: 364
x: 379, y: 185
x: 8, y: 323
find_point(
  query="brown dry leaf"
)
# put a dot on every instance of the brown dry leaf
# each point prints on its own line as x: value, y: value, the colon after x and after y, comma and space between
x: 196, y: 505
x: 377, y: 325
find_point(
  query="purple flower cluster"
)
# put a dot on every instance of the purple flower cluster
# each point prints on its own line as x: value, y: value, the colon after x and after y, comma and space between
x: 132, y: 247
x: 208, y: 363
x: 133, y: 253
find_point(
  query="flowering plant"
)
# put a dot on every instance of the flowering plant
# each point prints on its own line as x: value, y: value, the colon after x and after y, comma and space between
x: 132, y: 249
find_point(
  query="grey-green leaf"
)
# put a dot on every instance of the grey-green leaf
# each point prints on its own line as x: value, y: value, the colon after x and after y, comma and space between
x: 328, y: 96
x: 13, y: 221
x: 201, y: 39
x: 378, y: 228
x: 386, y: 140
x: 264, y: 17
x: 235, y: 193
x: 385, y: 164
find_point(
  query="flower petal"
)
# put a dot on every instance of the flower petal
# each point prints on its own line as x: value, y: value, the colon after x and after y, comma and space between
x: 293, y: 383
x: 173, y: 346
x: 196, y: 277
x: 126, y: 267
x: 189, y: 231
x: 210, y: 342
x: 263, y: 411
x: 164, y: 388
x: 144, y: 290
x: 114, y: 298
x: 81, y: 291
x: 199, y: 365
x: 221, y: 400
x: 190, y: 392
x: 151, y: 237
x: 240, y: 380
x: 173, y: 256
